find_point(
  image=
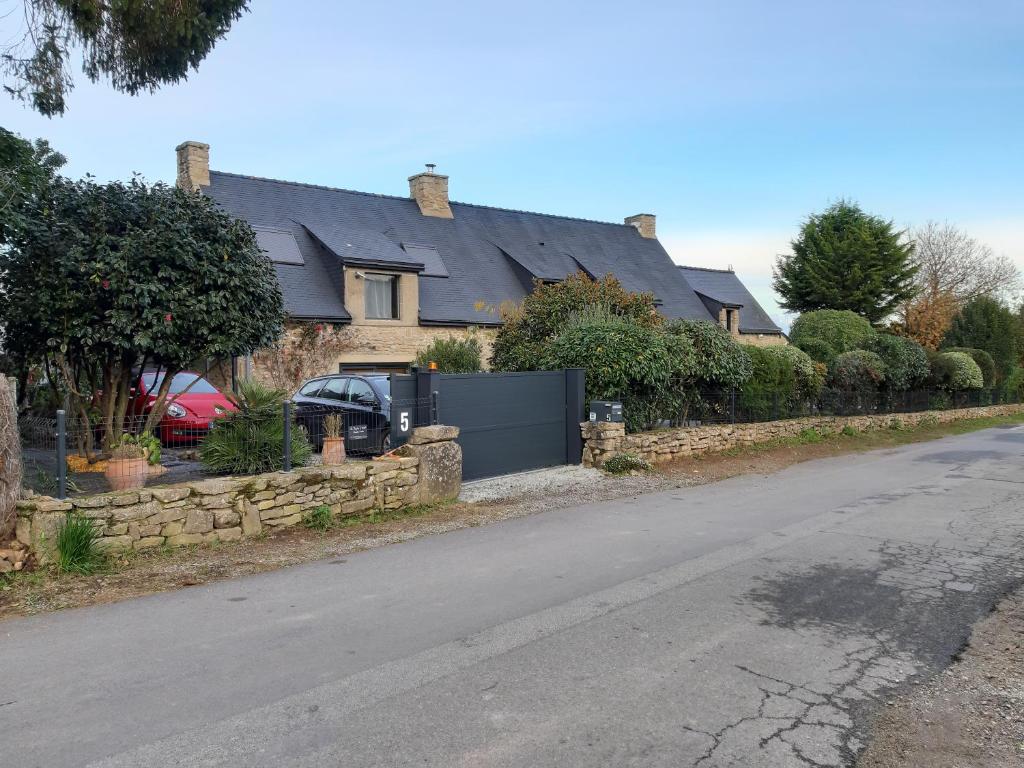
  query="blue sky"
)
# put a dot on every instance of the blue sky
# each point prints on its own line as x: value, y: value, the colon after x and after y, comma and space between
x: 729, y: 120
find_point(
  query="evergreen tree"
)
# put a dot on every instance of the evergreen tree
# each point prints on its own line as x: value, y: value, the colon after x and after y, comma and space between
x: 987, y: 324
x: 845, y: 258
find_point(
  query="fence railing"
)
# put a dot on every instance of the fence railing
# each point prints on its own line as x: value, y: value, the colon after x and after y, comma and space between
x: 68, y: 455
x: 750, y: 405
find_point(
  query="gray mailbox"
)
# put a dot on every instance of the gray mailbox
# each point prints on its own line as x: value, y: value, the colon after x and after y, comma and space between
x: 606, y: 410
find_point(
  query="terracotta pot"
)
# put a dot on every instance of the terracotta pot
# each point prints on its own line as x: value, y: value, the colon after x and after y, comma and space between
x: 333, y: 451
x: 123, y: 474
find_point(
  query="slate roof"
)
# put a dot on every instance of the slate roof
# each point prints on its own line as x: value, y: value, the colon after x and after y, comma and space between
x: 468, y: 265
x: 722, y: 286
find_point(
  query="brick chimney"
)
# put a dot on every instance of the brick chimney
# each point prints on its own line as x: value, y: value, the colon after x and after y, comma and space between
x: 193, y: 165
x: 430, y: 191
x: 644, y: 223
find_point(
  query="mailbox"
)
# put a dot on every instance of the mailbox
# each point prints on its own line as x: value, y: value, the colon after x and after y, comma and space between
x: 606, y: 410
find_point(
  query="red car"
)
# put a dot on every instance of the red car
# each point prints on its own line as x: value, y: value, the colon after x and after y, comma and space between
x: 194, y: 403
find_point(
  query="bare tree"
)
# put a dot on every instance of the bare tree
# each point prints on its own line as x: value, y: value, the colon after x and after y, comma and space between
x: 10, y: 458
x: 952, y: 262
x: 953, y: 268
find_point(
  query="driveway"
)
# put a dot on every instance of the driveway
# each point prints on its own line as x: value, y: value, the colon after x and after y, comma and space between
x: 757, y: 621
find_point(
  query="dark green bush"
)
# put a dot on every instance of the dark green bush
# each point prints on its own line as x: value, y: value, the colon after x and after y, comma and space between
x: 772, y: 388
x: 722, y: 362
x: 983, y: 359
x: 906, y: 361
x: 453, y: 355
x: 1014, y: 386
x: 857, y: 371
x: 76, y: 545
x: 842, y: 330
x: 251, y: 440
x: 624, y: 360
x: 819, y: 350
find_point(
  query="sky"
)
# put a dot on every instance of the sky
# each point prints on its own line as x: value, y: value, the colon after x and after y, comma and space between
x: 731, y: 121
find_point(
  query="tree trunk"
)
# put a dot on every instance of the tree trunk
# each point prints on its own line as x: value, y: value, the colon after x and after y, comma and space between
x: 10, y: 458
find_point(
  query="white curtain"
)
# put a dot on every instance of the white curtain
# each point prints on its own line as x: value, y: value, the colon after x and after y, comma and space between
x: 379, y: 295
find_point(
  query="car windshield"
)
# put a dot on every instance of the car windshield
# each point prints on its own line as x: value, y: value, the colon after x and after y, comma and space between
x: 181, y: 381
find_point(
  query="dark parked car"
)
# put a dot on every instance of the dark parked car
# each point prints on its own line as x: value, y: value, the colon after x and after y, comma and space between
x: 364, y: 403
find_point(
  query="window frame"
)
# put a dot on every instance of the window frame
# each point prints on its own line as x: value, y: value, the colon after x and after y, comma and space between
x: 396, y: 295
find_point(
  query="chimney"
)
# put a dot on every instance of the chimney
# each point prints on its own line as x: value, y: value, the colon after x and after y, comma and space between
x: 430, y: 191
x: 193, y: 165
x: 644, y: 224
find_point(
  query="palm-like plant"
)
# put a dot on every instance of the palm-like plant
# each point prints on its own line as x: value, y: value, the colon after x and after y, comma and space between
x: 250, y: 440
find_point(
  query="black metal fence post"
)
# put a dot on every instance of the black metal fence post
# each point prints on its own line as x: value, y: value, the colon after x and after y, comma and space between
x: 62, y: 455
x: 287, y: 458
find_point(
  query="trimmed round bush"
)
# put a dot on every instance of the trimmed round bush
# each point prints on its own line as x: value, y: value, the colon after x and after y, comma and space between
x: 906, y: 361
x: 983, y: 359
x: 964, y: 373
x: 841, y: 329
x: 819, y: 350
x: 452, y: 355
x: 809, y: 377
x: 857, y: 371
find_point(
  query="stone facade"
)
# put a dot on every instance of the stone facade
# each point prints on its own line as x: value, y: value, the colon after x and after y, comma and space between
x: 762, y: 339
x: 233, y: 508
x: 645, y: 224
x: 378, y: 344
x: 603, y: 440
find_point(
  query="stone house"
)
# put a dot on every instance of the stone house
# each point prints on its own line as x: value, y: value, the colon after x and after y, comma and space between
x: 402, y: 271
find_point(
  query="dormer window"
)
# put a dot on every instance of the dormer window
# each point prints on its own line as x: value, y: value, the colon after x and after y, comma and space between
x: 381, y: 296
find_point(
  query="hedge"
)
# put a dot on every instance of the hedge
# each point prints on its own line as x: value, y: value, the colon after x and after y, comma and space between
x: 841, y: 329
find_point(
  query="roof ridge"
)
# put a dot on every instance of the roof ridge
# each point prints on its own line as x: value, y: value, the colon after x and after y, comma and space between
x: 400, y: 197
x: 707, y: 269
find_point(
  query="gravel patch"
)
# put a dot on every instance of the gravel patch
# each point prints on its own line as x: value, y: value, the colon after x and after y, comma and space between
x: 550, y: 480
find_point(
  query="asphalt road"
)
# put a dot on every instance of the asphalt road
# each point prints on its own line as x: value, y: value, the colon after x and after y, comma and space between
x: 754, y: 622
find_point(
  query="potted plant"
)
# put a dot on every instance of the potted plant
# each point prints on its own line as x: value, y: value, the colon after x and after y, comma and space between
x: 127, y: 465
x: 333, y: 451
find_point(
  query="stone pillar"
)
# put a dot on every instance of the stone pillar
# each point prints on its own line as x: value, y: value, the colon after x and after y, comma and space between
x: 601, y: 441
x: 430, y: 191
x: 440, y: 468
x: 644, y: 224
x: 193, y: 165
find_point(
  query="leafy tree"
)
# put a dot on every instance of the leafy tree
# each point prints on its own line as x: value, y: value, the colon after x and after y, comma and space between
x: 906, y: 362
x: 845, y: 258
x: 139, y: 46
x: 542, y: 315
x: 986, y: 323
x: 101, y: 280
x: 857, y: 372
x: 453, y: 355
x: 25, y: 169
x: 842, y: 330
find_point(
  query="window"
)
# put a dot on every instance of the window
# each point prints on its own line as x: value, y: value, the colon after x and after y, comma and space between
x: 381, y: 295
x: 334, y: 389
x: 361, y: 393
x: 730, y: 319
x: 182, y: 382
x: 312, y: 388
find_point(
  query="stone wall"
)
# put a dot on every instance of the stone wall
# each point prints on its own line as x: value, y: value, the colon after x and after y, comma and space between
x: 603, y: 440
x: 428, y: 470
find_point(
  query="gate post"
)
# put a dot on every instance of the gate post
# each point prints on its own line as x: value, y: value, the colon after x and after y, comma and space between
x: 575, y: 408
x: 427, y: 383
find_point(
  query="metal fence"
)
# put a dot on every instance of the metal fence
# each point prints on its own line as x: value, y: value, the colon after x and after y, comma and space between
x: 67, y: 456
x: 737, y: 406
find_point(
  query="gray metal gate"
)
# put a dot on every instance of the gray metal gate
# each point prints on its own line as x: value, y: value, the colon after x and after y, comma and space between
x: 508, y: 422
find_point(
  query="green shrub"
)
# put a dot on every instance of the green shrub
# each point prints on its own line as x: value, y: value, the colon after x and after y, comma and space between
x: 636, y: 363
x: 857, y: 371
x: 819, y: 350
x: 251, y: 440
x: 772, y: 388
x: 983, y: 359
x: 722, y: 362
x: 626, y: 462
x: 1014, y: 386
x: 319, y: 518
x: 841, y: 329
x: 964, y: 373
x: 528, y: 328
x: 453, y: 355
x: 928, y: 420
x: 849, y: 431
x: 76, y: 545
x: 810, y: 435
x: 896, y: 424
x: 906, y: 361
x: 809, y: 377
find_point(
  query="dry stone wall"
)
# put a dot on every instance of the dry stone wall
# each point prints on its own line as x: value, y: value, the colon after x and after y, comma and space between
x: 603, y: 440
x: 232, y: 508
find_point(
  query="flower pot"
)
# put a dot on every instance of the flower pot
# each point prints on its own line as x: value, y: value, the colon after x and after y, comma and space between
x: 333, y: 451
x: 123, y: 474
